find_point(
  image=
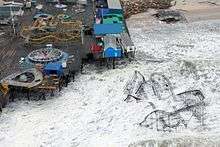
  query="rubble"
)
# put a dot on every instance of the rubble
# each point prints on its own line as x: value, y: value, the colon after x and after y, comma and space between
x: 170, y: 16
x: 138, y: 6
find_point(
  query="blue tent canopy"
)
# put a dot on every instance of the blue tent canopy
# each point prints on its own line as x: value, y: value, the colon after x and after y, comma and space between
x: 103, y: 29
x: 53, y: 68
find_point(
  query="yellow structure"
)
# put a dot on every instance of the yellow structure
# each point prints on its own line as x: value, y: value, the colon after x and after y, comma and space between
x: 4, y: 88
x: 52, y: 30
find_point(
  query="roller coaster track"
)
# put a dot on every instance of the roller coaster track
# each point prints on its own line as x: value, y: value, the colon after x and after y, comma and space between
x: 53, y: 38
x: 163, y: 120
x: 24, y: 30
x: 171, y: 119
x: 156, y: 85
x: 50, y: 37
x: 191, y: 102
x: 71, y: 24
x: 65, y: 32
x: 160, y: 84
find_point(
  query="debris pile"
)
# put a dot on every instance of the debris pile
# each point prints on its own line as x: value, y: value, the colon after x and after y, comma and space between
x: 170, y: 16
x: 138, y: 6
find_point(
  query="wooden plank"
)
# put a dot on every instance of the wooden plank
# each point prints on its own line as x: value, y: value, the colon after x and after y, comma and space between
x: 47, y: 87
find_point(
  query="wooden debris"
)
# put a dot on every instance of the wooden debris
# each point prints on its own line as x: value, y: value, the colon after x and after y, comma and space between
x: 170, y: 16
x: 138, y: 6
x: 208, y: 2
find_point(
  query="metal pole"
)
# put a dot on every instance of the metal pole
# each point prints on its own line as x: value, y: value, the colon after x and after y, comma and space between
x: 12, y: 19
x: 82, y: 34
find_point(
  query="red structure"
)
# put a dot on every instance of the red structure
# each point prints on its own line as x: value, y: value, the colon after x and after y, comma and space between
x: 96, y: 48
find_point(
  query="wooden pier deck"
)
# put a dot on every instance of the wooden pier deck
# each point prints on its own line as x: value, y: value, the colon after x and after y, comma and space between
x: 12, y: 47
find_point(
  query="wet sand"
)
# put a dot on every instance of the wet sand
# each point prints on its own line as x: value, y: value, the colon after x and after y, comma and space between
x: 197, y: 10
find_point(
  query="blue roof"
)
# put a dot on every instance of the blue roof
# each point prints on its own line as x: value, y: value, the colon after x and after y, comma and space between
x: 103, y: 29
x: 53, y: 66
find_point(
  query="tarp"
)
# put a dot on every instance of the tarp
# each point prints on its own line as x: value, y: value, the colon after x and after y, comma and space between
x: 103, y: 29
x: 53, y: 68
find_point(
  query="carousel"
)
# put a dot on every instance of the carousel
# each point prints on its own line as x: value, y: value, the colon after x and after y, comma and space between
x: 44, y: 56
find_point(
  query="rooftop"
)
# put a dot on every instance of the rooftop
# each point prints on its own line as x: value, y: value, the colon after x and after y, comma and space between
x: 114, y: 4
x: 103, y: 29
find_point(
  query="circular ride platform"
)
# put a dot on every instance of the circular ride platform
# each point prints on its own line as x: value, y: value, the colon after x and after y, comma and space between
x: 44, y: 56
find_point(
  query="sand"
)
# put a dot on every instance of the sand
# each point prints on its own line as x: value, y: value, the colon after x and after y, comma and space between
x: 196, y: 10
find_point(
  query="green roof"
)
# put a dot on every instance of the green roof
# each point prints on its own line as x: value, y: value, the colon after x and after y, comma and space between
x: 112, y: 18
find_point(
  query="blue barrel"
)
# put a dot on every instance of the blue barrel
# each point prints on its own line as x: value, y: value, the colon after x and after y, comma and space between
x: 112, y: 53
